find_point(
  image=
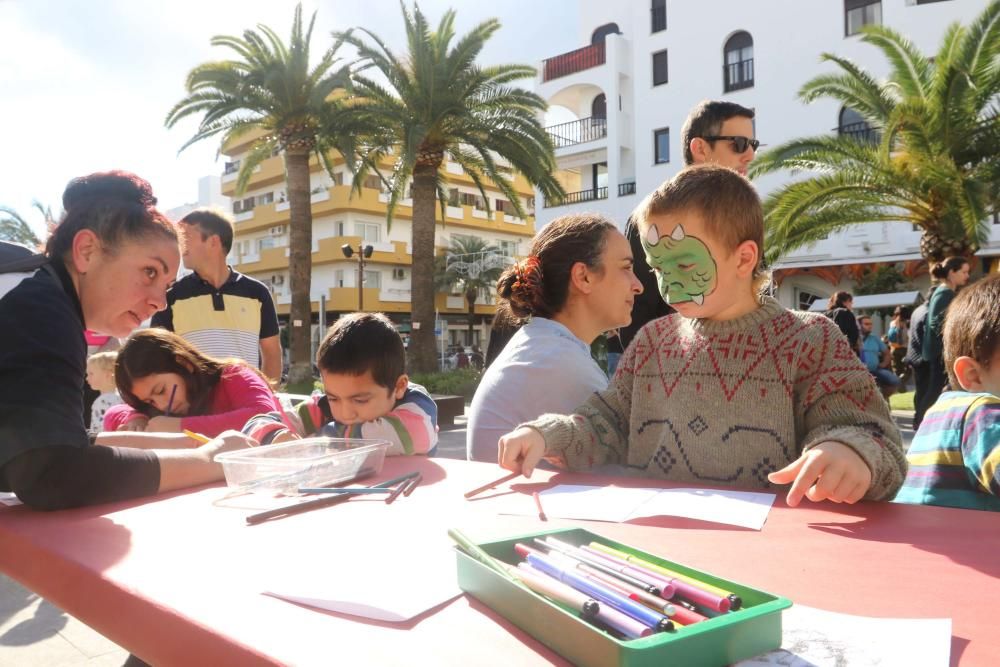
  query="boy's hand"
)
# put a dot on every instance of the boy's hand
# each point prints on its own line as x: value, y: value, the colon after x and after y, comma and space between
x: 829, y: 471
x: 520, y: 450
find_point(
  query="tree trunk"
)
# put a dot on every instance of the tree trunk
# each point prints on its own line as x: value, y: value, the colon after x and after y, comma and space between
x: 300, y: 264
x: 936, y: 247
x: 470, y: 298
x: 423, y: 354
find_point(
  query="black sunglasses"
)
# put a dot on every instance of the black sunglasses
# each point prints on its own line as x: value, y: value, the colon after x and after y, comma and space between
x: 740, y: 144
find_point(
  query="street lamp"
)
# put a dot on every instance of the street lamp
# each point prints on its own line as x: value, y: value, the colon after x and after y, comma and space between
x: 364, y: 252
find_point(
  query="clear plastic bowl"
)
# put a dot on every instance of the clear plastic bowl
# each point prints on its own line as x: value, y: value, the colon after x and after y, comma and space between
x: 312, y: 462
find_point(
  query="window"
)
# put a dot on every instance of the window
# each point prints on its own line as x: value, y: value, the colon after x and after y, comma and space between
x: 738, y: 69
x: 996, y: 217
x: 373, y: 182
x: 453, y: 197
x: 660, y: 68
x: 338, y: 278
x: 500, y: 205
x: 859, y: 13
x: 661, y: 143
x: 266, y: 198
x: 804, y: 300
x: 368, y: 231
x: 340, y: 229
x: 659, y: 15
x: 338, y: 178
x: 244, y: 247
x: 507, y: 248
x: 265, y: 243
x: 373, y: 279
x: 928, y: 2
x: 599, y: 107
x: 232, y: 167
x: 853, y: 124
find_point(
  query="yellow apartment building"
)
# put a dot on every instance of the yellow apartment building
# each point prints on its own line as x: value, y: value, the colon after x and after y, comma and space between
x: 260, y: 248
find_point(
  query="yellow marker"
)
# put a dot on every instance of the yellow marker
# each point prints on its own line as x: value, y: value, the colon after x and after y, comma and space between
x: 197, y: 436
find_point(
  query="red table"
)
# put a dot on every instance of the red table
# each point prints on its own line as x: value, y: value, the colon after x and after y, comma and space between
x: 172, y: 579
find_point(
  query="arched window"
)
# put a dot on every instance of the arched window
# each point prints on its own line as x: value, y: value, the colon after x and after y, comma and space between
x: 599, y: 107
x: 853, y: 124
x: 604, y: 31
x: 738, y: 70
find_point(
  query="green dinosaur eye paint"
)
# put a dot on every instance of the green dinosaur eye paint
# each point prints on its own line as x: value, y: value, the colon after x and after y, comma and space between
x: 685, y: 268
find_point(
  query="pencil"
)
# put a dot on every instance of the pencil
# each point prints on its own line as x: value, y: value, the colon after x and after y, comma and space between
x: 325, y: 501
x: 170, y: 403
x: 412, y: 484
x: 196, y: 436
x: 538, y: 504
x: 486, y: 487
x: 360, y: 491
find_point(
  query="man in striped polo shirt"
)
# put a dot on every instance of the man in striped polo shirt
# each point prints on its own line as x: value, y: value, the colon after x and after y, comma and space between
x: 223, y: 312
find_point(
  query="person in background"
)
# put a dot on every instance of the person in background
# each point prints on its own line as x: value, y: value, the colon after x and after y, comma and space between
x: 366, y: 393
x: 838, y: 309
x: 915, y: 360
x: 899, y: 340
x: 221, y: 311
x: 169, y: 386
x: 576, y: 282
x: 715, y: 132
x: 107, y: 268
x: 875, y: 356
x: 101, y: 378
x: 955, y: 455
x: 952, y: 274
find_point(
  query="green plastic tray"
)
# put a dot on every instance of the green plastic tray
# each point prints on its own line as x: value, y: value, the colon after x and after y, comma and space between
x: 754, y: 629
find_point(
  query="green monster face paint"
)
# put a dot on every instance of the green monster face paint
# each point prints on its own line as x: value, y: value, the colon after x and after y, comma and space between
x: 685, y: 268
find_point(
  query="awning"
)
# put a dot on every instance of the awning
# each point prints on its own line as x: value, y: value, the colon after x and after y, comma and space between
x: 876, y: 301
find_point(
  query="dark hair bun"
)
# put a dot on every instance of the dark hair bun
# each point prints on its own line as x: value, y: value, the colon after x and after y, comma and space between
x: 120, y: 186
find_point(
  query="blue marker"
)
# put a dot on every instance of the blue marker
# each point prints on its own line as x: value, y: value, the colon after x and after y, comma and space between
x: 658, y: 622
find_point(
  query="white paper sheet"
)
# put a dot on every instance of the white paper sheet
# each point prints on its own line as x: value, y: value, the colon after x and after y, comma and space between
x: 8, y: 498
x: 815, y: 638
x: 613, y: 503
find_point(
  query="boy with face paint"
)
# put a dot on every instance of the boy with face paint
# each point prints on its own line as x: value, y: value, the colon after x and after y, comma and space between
x: 732, y: 389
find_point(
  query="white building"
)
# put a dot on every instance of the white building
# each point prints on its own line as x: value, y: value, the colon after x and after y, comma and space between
x: 209, y: 195
x: 643, y: 64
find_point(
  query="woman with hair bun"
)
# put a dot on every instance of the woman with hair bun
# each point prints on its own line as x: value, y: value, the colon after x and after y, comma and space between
x: 107, y: 266
x: 951, y: 275
x: 576, y: 283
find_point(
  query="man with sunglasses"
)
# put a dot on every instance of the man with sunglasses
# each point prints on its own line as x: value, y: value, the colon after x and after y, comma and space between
x: 715, y: 132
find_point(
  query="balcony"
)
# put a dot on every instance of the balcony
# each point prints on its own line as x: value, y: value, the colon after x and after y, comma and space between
x: 625, y: 189
x: 592, y: 194
x: 578, y: 131
x: 738, y: 75
x: 862, y: 132
x: 573, y: 62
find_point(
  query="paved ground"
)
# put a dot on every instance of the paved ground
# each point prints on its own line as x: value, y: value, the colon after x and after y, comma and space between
x: 35, y: 633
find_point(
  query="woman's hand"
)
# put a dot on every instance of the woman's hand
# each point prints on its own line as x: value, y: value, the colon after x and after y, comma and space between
x: 829, y: 471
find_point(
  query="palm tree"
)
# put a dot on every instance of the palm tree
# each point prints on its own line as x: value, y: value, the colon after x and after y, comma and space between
x: 474, y: 266
x: 435, y: 101
x: 270, y: 88
x: 937, y: 165
x: 16, y: 229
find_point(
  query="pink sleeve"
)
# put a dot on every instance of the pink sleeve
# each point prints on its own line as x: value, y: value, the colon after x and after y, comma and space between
x: 240, y: 395
x: 117, y: 415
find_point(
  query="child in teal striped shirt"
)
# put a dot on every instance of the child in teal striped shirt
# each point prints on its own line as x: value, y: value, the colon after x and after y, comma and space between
x: 955, y: 456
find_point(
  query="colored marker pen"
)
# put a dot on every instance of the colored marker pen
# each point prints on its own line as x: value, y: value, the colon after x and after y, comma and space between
x: 589, y: 607
x: 623, y: 572
x: 735, y: 602
x: 655, y: 620
x: 694, y: 593
x: 629, y: 591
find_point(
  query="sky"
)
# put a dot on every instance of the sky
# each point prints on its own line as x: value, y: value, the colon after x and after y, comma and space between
x: 86, y: 85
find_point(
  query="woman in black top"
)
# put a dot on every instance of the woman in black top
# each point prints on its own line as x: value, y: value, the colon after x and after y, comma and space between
x: 110, y: 262
x: 839, y: 310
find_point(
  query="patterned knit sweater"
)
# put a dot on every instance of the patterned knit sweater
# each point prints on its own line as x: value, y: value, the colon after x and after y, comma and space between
x: 726, y: 403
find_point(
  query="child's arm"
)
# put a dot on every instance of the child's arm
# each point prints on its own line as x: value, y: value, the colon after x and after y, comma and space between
x: 411, y: 427
x: 981, y: 444
x: 247, y: 392
x: 123, y: 417
x: 596, y: 434
x: 842, y: 416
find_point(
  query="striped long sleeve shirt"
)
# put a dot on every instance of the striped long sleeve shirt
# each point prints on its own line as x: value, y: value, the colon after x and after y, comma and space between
x: 955, y: 456
x: 411, y: 426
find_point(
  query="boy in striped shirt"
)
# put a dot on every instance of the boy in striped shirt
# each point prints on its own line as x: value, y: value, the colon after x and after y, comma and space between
x: 367, y: 394
x: 955, y: 456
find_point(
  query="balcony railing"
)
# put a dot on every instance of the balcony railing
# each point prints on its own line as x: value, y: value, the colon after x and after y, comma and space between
x: 860, y: 131
x: 573, y: 62
x: 578, y: 197
x: 738, y: 75
x: 625, y: 189
x: 578, y: 131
